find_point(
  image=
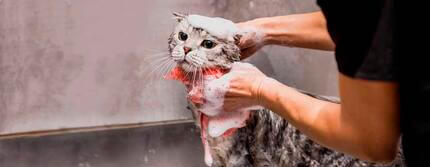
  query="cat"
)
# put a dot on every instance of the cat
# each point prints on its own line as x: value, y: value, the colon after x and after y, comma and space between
x: 266, y: 139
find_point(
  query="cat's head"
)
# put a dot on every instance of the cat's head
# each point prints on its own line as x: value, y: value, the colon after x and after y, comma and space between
x: 195, y: 47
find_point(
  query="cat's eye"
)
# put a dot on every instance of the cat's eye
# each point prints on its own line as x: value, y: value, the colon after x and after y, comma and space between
x: 182, y: 36
x: 208, y: 44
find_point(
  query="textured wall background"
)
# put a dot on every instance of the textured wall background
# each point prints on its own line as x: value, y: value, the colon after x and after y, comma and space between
x: 151, y: 146
x: 84, y: 63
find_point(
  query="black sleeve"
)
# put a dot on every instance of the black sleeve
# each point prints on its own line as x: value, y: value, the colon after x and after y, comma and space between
x: 362, y: 32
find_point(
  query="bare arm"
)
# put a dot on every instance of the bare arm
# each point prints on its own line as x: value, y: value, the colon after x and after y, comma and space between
x: 299, y: 30
x: 365, y: 124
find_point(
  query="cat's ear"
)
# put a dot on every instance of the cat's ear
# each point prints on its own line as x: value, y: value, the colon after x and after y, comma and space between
x: 179, y: 16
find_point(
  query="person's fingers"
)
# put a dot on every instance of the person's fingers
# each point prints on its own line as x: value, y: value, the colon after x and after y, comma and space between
x: 245, y: 53
x: 247, y: 40
x: 230, y: 105
x: 235, y: 104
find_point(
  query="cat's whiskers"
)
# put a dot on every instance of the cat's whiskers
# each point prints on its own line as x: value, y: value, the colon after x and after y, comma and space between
x: 156, y: 59
x: 204, y: 69
x: 154, y: 68
x: 160, y: 67
x: 154, y: 50
x: 157, y: 56
x: 169, y: 68
x: 186, y: 74
x: 172, y: 64
x: 163, y: 69
x: 209, y: 70
x: 194, y: 75
x: 156, y: 64
x: 198, y: 77
x: 201, y: 76
x: 161, y: 63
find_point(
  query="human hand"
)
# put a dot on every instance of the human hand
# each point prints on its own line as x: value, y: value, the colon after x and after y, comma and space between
x: 253, y: 37
x: 237, y: 90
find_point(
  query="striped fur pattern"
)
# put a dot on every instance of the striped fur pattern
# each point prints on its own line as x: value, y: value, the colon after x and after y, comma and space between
x: 268, y: 139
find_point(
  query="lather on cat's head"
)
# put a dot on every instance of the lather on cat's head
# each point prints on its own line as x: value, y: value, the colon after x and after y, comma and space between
x: 199, y: 42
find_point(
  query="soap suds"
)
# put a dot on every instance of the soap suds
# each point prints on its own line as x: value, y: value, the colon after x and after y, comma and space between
x: 251, y: 35
x: 219, y: 27
x: 214, y: 122
x: 204, y: 125
x: 211, y: 100
x: 215, y: 96
x: 225, y: 121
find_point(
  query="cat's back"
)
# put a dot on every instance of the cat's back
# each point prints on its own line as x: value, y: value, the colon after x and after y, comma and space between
x: 284, y: 145
x: 269, y: 140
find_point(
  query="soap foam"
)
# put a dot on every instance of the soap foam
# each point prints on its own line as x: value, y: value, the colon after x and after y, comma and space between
x: 214, y: 121
x: 220, y: 121
x: 204, y: 125
x: 214, y: 91
x: 225, y: 121
x: 219, y: 27
x: 195, y: 95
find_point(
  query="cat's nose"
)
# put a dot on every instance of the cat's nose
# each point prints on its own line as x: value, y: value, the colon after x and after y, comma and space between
x: 187, y: 49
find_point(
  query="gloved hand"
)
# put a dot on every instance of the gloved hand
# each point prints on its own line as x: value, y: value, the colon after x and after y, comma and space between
x: 237, y: 90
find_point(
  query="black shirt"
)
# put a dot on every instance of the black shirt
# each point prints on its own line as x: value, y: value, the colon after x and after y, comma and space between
x: 363, y: 36
x: 368, y: 46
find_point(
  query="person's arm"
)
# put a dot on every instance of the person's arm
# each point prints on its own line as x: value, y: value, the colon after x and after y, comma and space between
x: 298, y: 30
x: 365, y: 124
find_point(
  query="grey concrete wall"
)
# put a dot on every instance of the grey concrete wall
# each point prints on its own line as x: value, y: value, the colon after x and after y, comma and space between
x: 154, y: 146
x: 84, y: 63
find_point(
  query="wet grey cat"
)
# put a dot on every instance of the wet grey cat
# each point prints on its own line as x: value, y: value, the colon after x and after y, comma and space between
x: 267, y: 139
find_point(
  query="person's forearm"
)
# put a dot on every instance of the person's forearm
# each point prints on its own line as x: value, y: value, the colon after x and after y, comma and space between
x: 299, y: 109
x: 298, y: 30
x: 363, y: 136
